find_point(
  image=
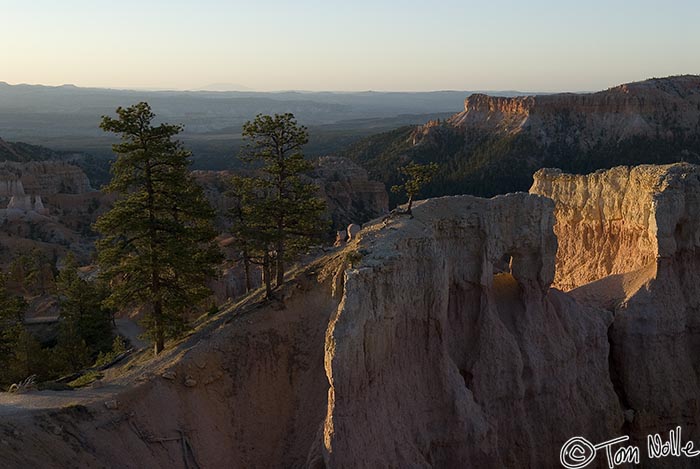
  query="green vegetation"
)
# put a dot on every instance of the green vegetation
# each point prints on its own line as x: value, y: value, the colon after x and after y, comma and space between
x: 86, y: 323
x: 158, y: 244
x: 86, y: 379
x: 84, y: 330
x: 13, y: 346
x: 279, y: 215
x: 416, y: 176
x: 118, y: 348
x: 485, y: 164
x: 32, y: 273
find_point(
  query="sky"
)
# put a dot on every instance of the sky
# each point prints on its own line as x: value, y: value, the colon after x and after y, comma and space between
x: 357, y: 45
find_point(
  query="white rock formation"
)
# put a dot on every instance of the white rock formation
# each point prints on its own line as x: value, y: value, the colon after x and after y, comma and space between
x: 39, y: 206
x: 20, y: 202
x: 11, y: 187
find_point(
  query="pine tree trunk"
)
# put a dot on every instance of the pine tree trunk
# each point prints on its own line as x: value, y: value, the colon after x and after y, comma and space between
x: 246, y: 266
x: 410, y: 204
x: 280, y: 265
x: 267, y: 275
x: 158, y: 332
x: 280, y: 252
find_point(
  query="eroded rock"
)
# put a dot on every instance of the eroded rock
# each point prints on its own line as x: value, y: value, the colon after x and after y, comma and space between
x: 629, y: 241
x: 440, y: 360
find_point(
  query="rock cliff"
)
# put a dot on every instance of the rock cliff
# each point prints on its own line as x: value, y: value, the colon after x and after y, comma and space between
x: 605, y: 221
x: 628, y: 242
x: 351, y: 196
x: 443, y: 359
x: 42, y: 177
x: 49, y: 206
x: 650, y: 122
x: 666, y: 108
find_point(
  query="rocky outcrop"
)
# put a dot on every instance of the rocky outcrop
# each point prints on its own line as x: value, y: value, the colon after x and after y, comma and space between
x: 494, y: 113
x: 629, y: 239
x: 666, y: 108
x: 350, y: 195
x: 441, y: 360
x: 606, y: 221
x: 11, y: 187
x: 439, y: 357
x: 22, y: 186
x: 44, y: 177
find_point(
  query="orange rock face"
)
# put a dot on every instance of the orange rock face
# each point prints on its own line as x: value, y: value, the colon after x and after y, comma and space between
x: 628, y: 242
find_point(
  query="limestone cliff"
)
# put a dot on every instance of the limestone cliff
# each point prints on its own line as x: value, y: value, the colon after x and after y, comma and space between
x: 629, y: 240
x: 666, y: 108
x: 444, y: 347
x: 49, y: 206
x: 441, y: 359
x: 606, y: 221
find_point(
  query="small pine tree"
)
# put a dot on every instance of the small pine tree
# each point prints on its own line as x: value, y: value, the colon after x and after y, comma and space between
x: 84, y: 317
x: 12, y: 366
x: 416, y: 176
x: 158, y: 244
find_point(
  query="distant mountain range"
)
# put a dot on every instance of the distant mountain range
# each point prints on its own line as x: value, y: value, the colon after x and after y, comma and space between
x: 496, y: 143
x: 67, y: 117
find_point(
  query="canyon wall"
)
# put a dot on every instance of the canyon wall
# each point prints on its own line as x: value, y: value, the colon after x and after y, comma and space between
x: 605, y: 221
x: 42, y: 177
x: 444, y: 361
x: 628, y: 242
x: 665, y: 108
x: 351, y: 196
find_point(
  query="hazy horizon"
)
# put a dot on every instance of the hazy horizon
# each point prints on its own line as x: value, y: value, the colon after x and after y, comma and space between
x: 310, y: 45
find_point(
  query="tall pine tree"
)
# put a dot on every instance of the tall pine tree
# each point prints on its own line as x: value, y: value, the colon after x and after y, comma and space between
x: 158, y: 240
x: 281, y: 213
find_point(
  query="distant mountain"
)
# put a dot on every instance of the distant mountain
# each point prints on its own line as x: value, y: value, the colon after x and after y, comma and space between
x: 496, y: 143
x: 224, y: 87
x: 68, y: 117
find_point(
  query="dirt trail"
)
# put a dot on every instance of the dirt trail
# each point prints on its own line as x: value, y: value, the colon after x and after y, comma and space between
x: 13, y: 404
x: 131, y: 330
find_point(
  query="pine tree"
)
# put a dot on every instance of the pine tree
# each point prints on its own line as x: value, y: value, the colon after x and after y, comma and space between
x: 158, y: 244
x: 282, y: 214
x: 12, y: 309
x: 84, y: 317
x: 416, y: 176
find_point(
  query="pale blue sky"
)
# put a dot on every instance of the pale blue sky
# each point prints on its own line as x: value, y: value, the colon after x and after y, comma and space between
x: 533, y: 45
